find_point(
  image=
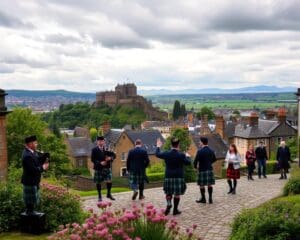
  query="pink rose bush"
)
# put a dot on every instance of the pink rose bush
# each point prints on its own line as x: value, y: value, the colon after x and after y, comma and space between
x: 137, y: 223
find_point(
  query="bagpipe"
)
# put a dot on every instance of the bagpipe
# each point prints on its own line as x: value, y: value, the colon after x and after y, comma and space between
x: 43, y: 157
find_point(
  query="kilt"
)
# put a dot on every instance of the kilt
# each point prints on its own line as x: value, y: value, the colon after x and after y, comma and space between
x: 102, y: 175
x: 206, y: 178
x: 282, y: 164
x: 136, y: 179
x: 232, y: 173
x: 31, y: 194
x: 174, y: 186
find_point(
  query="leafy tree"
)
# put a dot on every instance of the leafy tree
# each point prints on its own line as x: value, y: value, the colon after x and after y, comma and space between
x: 237, y: 112
x: 22, y: 123
x: 176, y: 110
x: 292, y: 144
x: 93, y: 134
x: 206, y: 111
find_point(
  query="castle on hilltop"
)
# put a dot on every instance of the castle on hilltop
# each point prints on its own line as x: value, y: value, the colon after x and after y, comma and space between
x: 126, y: 95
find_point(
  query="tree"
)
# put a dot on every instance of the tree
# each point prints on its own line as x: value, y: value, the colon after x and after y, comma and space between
x: 236, y: 112
x: 292, y: 144
x: 206, y: 111
x: 176, y: 110
x: 22, y: 123
x: 93, y: 134
x: 183, y: 110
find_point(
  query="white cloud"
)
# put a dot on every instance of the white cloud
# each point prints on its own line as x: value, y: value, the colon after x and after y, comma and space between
x: 94, y: 44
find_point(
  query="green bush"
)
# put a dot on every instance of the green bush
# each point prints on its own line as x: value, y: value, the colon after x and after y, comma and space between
x: 293, y: 185
x: 156, y: 168
x: 156, y: 177
x: 11, y: 206
x: 60, y: 206
x: 276, y: 220
x: 272, y: 167
x: 190, y: 173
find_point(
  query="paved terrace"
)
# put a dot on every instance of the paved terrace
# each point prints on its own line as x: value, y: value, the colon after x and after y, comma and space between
x: 212, y: 219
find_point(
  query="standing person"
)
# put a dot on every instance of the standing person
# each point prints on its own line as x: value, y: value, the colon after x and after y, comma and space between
x: 250, y: 161
x: 261, y: 157
x: 137, y: 161
x: 233, y: 164
x: 174, y: 183
x: 31, y: 177
x: 102, y: 160
x: 283, y: 157
x: 203, y: 162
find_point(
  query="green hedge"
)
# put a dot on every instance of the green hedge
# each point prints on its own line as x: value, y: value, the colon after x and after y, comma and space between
x: 276, y: 220
x: 156, y: 177
x: 293, y: 185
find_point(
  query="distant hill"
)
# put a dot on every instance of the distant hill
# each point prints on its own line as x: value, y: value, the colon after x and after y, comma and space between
x: 48, y: 93
x: 255, y: 89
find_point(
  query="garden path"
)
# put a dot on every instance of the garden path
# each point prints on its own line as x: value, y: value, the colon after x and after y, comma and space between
x: 213, y: 220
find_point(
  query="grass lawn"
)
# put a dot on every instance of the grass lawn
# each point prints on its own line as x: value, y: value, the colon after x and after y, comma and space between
x: 95, y: 193
x: 22, y: 236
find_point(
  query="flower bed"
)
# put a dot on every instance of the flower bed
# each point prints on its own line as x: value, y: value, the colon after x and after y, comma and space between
x: 143, y: 222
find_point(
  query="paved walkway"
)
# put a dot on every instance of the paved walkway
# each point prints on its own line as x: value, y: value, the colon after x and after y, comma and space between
x: 212, y: 219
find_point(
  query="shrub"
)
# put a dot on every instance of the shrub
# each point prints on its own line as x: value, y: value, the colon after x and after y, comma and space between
x: 156, y: 177
x: 293, y: 184
x: 145, y: 223
x: 156, y: 168
x: 278, y: 219
x: 11, y: 206
x: 190, y: 173
x: 60, y: 206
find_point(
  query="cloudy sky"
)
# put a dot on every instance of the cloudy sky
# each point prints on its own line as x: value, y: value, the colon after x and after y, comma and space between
x: 91, y: 45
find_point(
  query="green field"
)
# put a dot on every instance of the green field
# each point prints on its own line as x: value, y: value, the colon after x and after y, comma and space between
x: 228, y: 101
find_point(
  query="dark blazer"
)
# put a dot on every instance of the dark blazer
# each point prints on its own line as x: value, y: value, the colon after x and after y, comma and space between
x: 283, y: 157
x: 32, y: 168
x: 261, y: 153
x: 205, y: 157
x: 137, y: 160
x: 175, y: 160
x: 97, y: 157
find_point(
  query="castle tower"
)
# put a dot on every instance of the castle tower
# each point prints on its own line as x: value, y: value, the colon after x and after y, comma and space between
x: 3, y: 140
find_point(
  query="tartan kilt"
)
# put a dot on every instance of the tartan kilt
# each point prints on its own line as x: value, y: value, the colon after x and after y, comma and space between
x: 174, y: 186
x: 31, y: 194
x: 101, y: 176
x: 136, y: 179
x: 206, y: 178
x: 232, y: 173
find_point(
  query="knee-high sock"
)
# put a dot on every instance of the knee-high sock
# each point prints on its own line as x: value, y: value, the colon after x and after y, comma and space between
x: 210, y: 191
x: 230, y: 184
x: 108, y: 186
x: 141, y: 189
x: 234, y: 184
x: 99, y: 190
x: 202, y: 191
x: 176, y: 203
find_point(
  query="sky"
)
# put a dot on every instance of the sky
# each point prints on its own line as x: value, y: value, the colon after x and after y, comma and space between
x: 91, y: 45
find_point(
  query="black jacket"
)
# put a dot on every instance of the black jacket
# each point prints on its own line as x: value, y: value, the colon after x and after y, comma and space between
x: 175, y: 161
x: 261, y: 153
x: 204, y: 159
x: 137, y: 160
x: 283, y: 154
x: 98, y: 156
x: 32, y: 168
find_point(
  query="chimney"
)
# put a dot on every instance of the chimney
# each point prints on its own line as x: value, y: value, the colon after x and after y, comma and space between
x: 106, y: 127
x: 253, y: 119
x: 220, y: 125
x: 204, y: 129
x: 3, y: 140
x: 281, y: 115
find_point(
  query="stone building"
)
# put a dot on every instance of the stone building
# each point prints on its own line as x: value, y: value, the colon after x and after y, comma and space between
x: 3, y: 140
x: 126, y: 95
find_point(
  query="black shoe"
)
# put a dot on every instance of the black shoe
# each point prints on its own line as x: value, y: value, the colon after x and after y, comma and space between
x: 32, y: 213
x: 259, y: 177
x: 281, y: 177
x: 233, y: 191
x: 265, y: 176
x: 176, y: 212
x: 210, y: 201
x: 99, y: 199
x: 134, y: 195
x: 202, y: 200
x: 168, y: 209
x: 141, y: 197
x: 230, y: 191
x: 111, y: 197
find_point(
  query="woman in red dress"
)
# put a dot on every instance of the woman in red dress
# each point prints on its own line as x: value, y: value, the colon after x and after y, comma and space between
x: 233, y: 164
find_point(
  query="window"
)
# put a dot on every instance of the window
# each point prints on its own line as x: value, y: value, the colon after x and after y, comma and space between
x: 123, y: 156
x: 123, y: 172
x: 80, y: 163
